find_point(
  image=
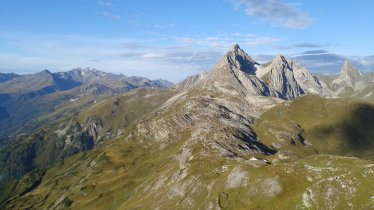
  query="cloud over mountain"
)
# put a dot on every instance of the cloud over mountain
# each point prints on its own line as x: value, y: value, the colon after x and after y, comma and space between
x: 276, y: 13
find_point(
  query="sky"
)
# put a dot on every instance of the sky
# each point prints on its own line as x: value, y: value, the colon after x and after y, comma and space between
x: 173, y: 39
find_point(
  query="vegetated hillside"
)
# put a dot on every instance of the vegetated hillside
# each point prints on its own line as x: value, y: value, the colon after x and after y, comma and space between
x: 190, y: 168
x: 367, y: 94
x: 53, y: 143
x: 331, y: 126
x: 204, y: 149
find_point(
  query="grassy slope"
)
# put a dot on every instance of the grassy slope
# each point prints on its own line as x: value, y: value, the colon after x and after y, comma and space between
x: 336, y: 126
x: 46, y: 147
x: 125, y: 176
x: 123, y: 111
x: 128, y: 174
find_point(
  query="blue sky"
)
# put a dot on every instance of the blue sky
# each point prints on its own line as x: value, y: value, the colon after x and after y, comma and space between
x: 173, y: 39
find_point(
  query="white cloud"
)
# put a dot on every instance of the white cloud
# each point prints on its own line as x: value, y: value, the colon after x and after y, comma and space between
x: 276, y: 13
x: 110, y: 15
x: 104, y: 3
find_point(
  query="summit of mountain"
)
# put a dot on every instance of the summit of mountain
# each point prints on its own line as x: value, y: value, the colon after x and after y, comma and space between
x: 235, y: 59
x: 350, y: 80
x: 281, y: 78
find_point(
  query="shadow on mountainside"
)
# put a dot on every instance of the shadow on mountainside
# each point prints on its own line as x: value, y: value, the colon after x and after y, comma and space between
x: 251, y: 142
x: 354, y: 135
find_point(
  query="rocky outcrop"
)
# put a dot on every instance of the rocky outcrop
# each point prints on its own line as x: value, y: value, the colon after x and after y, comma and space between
x: 94, y: 128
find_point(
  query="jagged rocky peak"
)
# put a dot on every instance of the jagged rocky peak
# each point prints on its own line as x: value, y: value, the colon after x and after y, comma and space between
x: 349, y: 77
x: 280, y: 58
x: 235, y: 48
x: 236, y: 58
x: 279, y: 63
x: 283, y: 60
x: 281, y: 78
x: 348, y: 70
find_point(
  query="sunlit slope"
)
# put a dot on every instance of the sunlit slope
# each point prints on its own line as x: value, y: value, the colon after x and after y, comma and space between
x: 331, y: 126
x: 106, y: 119
x: 197, y: 156
x: 124, y: 175
x: 123, y: 111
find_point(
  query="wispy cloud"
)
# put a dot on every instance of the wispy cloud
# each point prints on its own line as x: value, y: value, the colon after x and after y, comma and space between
x: 153, y: 55
x: 225, y: 41
x: 276, y: 13
x: 304, y: 45
x: 104, y: 3
x: 314, y: 52
x: 110, y: 15
x: 161, y: 26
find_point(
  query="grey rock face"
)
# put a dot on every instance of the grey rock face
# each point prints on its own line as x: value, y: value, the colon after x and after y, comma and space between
x: 281, y: 78
x: 94, y: 128
x: 240, y: 60
x: 289, y: 79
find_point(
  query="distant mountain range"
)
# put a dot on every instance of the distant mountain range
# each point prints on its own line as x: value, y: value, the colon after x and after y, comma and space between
x: 23, y: 98
x: 243, y: 135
